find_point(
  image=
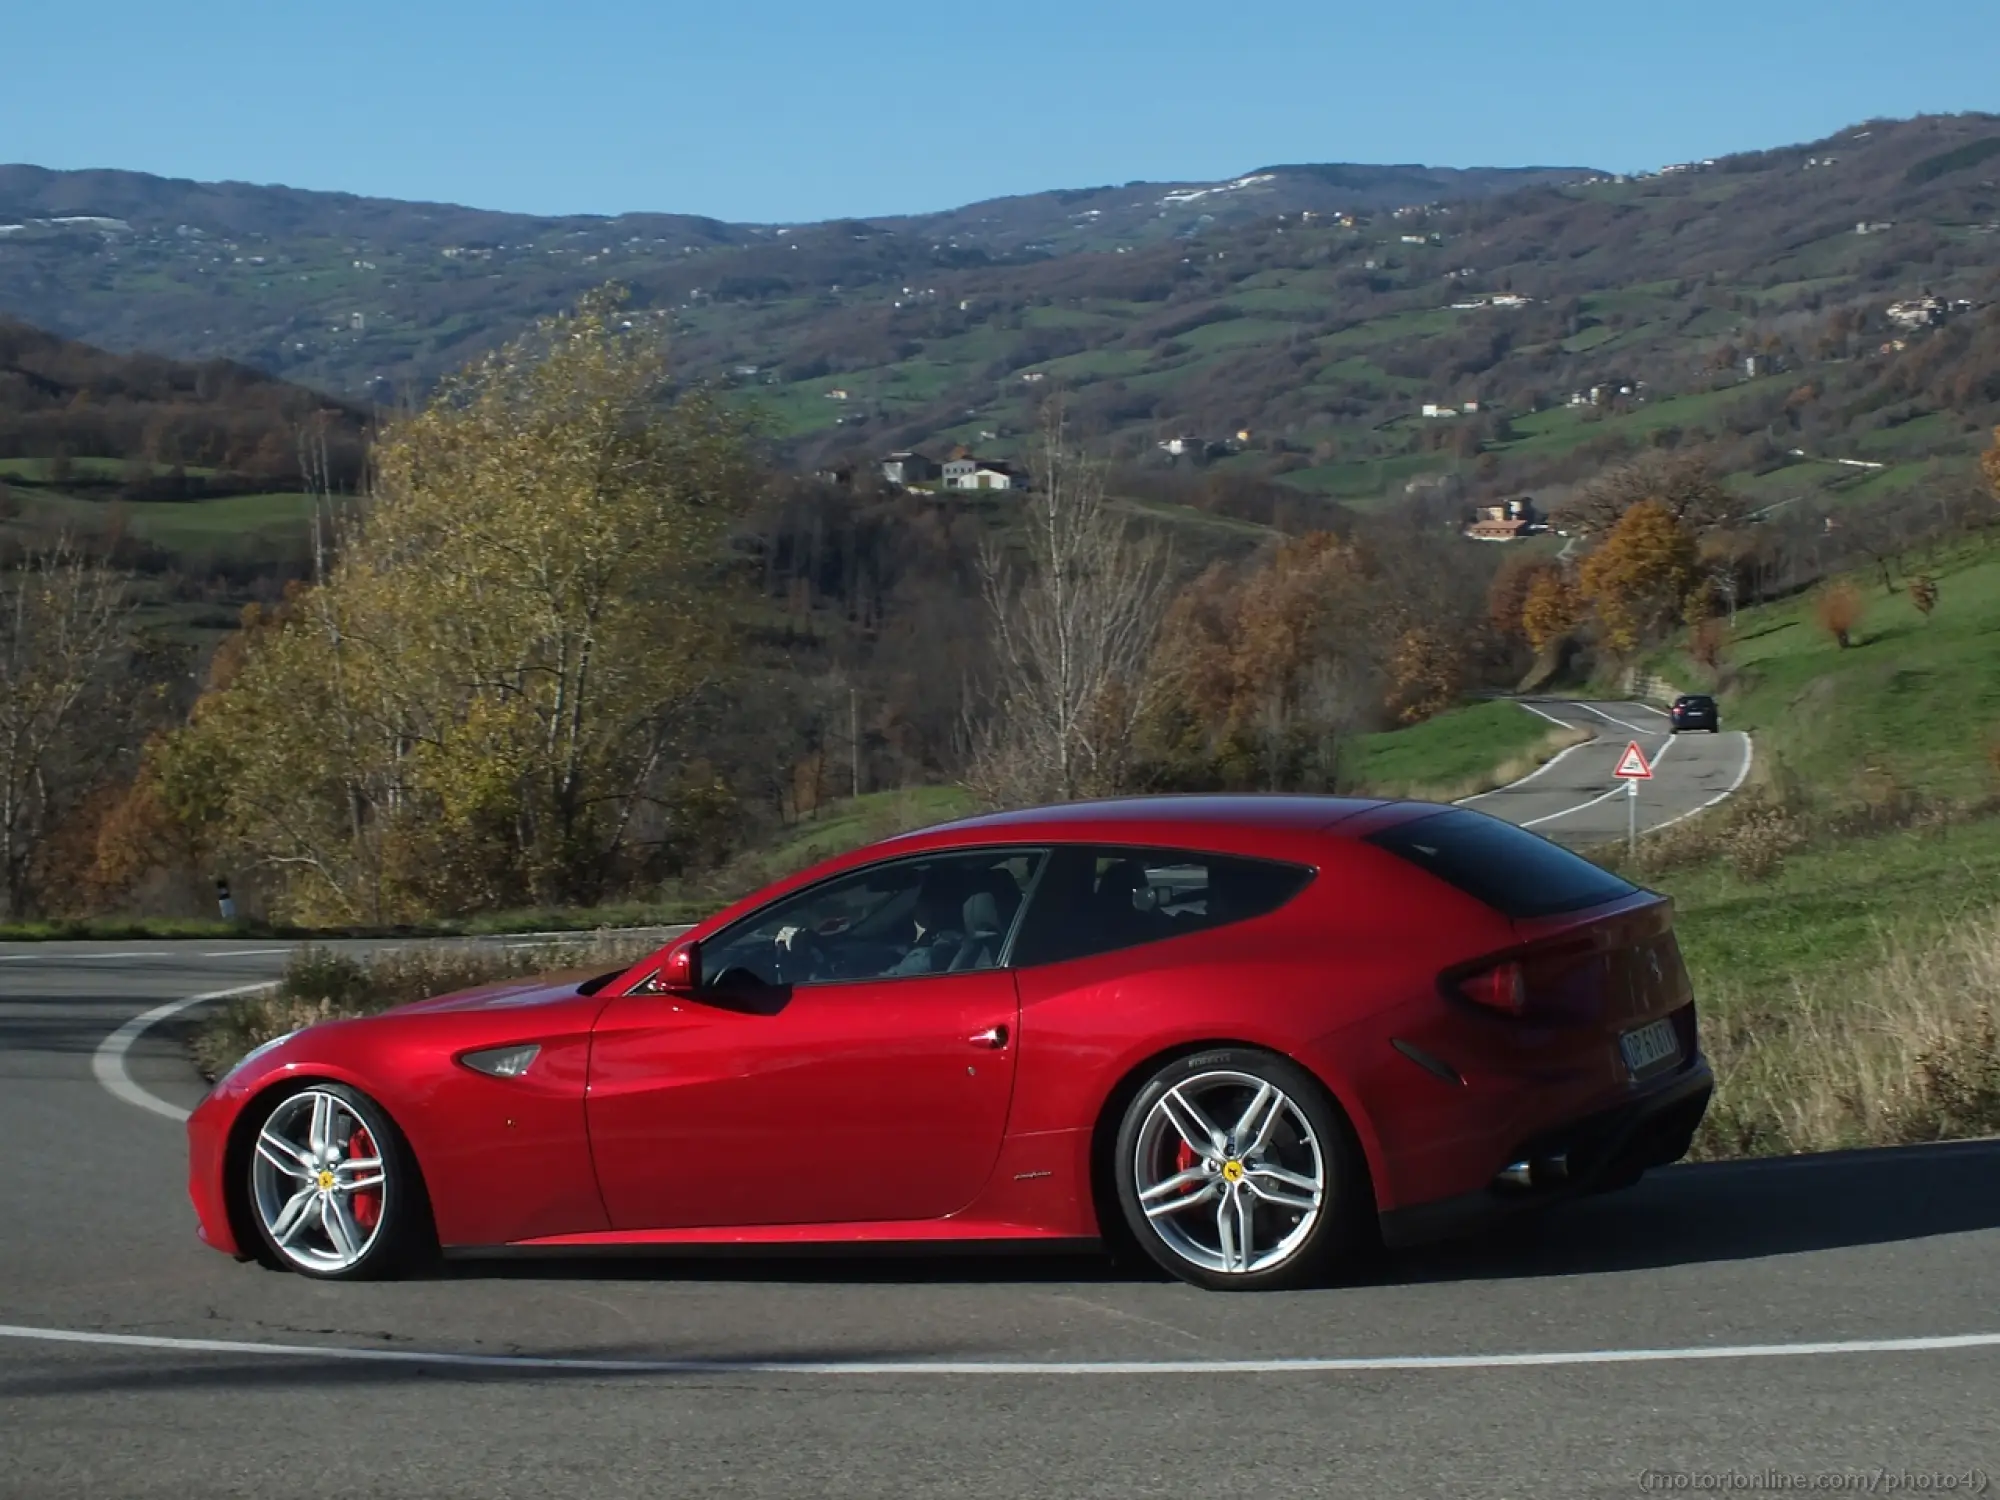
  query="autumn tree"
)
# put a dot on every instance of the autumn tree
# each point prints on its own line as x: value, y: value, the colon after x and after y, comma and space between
x: 1266, y: 670
x: 484, y: 701
x: 1839, y: 609
x: 1707, y: 640
x: 1638, y: 580
x: 1681, y: 483
x: 65, y: 629
x: 1072, y: 623
x: 1513, y: 582
x: 1989, y: 463
x: 1551, y: 610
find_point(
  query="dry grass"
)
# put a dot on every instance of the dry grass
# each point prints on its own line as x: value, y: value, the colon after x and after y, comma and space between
x: 321, y: 985
x: 1906, y: 1050
x: 1776, y: 816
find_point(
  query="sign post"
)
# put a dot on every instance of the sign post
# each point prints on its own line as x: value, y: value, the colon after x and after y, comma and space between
x: 1632, y: 769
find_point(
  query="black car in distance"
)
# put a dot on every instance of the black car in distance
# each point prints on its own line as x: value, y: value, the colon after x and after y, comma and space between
x: 1695, y: 711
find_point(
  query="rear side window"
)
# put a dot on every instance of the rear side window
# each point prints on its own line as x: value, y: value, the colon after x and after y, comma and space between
x: 1517, y: 873
x: 1099, y: 899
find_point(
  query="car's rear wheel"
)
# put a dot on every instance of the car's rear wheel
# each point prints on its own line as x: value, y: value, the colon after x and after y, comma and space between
x: 1236, y: 1172
x: 333, y: 1189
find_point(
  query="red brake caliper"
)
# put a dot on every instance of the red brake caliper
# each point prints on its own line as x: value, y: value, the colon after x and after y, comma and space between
x: 1184, y: 1159
x: 367, y: 1202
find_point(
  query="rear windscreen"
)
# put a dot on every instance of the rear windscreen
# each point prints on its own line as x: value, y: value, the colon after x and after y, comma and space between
x: 1517, y: 873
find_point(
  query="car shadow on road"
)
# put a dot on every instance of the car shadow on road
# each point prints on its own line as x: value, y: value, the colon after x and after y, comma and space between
x: 1740, y: 1210
x: 1684, y: 1215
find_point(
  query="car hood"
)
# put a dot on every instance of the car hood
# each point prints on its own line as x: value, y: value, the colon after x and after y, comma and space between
x: 511, y: 994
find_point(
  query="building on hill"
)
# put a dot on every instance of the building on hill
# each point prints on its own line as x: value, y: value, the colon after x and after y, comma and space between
x: 1506, y: 521
x: 908, y: 468
x: 983, y: 474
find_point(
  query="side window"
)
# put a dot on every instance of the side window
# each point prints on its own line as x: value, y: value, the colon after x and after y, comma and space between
x: 1097, y: 900
x: 941, y: 914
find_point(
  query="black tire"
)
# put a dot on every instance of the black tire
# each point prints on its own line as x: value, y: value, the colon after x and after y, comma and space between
x: 399, y: 1235
x: 1307, y: 1127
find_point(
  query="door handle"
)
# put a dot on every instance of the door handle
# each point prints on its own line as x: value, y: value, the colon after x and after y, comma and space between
x: 992, y: 1036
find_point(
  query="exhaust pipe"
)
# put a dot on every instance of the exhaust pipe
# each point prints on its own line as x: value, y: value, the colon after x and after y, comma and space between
x: 1540, y: 1172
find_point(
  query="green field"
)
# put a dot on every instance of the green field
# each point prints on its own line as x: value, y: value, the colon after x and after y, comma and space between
x: 1913, y: 700
x: 1452, y: 754
x: 223, y: 524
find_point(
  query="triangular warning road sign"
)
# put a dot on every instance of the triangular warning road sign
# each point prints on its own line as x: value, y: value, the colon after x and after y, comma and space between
x: 1632, y: 764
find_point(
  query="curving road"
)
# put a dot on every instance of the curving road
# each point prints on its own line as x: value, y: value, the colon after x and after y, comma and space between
x: 1842, y: 1314
x: 1575, y: 799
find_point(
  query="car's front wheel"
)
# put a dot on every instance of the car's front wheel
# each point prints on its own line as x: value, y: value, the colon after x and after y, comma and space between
x: 1236, y: 1172
x: 333, y: 1189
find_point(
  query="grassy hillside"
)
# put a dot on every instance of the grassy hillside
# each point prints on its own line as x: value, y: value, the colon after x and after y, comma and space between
x: 1733, y: 303
x: 1457, y: 754
x: 1913, y: 703
x: 1842, y: 917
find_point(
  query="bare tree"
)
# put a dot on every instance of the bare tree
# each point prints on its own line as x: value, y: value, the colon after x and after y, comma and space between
x: 1685, y: 483
x: 1072, y: 633
x: 64, y: 632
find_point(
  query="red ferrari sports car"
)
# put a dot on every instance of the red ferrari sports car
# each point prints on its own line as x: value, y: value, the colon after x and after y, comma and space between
x: 1238, y: 1033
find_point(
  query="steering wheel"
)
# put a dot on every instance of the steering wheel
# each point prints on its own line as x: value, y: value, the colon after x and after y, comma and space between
x: 798, y: 955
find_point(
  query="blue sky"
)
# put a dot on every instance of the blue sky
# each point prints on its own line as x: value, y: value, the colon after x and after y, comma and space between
x: 772, y: 110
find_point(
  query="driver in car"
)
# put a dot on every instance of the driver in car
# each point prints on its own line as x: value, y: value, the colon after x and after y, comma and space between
x: 938, y: 925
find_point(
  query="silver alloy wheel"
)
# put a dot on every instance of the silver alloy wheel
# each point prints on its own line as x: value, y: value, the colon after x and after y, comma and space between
x: 1229, y: 1172
x: 319, y: 1180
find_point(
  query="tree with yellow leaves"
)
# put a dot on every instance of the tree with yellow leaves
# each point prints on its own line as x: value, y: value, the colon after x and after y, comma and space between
x: 479, y: 704
x: 1638, y: 580
x: 1989, y: 461
x: 1551, y: 609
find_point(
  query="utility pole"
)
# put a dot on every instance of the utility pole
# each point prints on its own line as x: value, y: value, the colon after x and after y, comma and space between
x: 854, y: 736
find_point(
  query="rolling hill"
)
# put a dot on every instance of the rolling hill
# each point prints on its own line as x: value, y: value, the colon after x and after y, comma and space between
x: 1552, y: 318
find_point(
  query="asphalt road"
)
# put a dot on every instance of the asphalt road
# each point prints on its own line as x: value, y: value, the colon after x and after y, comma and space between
x: 1007, y: 1378
x: 1575, y: 798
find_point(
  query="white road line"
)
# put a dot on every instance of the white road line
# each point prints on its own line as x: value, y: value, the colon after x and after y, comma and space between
x: 1540, y: 715
x: 1591, y: 708
x: 1547, y: 765
x: 1640, y: 703
x: 1742, y: 775
x: 1616, y: 791
x: 108, y: 1063
x: 731, y: 1367
x: 246, y: 953
x: 26, y: 958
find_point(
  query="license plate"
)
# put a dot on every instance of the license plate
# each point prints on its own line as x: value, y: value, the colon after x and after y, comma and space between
x: 1650, y: 1047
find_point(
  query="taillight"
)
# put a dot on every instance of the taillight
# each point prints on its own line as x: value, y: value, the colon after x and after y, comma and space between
x: 1504, y: 988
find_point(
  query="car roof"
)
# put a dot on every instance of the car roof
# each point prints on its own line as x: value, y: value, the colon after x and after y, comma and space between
x: 1135, y: 816
x: 1266, y: 825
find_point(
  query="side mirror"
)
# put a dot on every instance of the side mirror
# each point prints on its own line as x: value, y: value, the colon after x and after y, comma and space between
x: 681, y: 973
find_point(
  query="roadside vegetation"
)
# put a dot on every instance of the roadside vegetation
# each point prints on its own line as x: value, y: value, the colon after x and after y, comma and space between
x: 1841, y: 916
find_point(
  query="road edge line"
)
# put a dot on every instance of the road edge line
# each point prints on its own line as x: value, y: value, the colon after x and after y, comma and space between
x: 107, y: 1064
x: 1296, y: 1365
x: 1546, y: 765
x: 1743, y: 775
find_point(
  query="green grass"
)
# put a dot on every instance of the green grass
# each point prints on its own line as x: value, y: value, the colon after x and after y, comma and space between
x: 1453, y: 752
x: 1913, y: 700
x: 1830, y: 908
x: 180, y: 524
x: 854, y: 821
x: 1911, y: 709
